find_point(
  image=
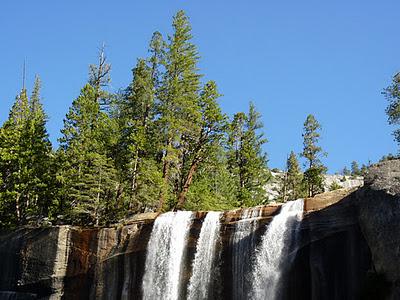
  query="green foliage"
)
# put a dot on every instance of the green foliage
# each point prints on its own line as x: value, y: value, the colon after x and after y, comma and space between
x: 161, y: 143
x: 392, y: 94
x: 387, y: 157
x: 363, y: 170
x: 139, y: 169
x: 314, y: 180
x: 292, y: 187
x: 87, y: 173
x: 355, y: 169
x: 346, y: 171
x: 179, y: 113
x: 201, y: 146
x: 167, y: 122
x: 25, y: 158
x: 246, y: 159
x: 213, y: 187
x: 334, y: 186
x: 311, y: 135
x: 99, y: 78
x: 313, y: 176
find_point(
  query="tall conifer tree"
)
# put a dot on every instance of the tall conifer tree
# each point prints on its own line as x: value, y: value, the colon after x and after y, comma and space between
x: 178, y: 107
x: 247, y: 161
x: 42, y: 179
x: 392, y: 94
x: 13, y: 159
x: 294, y: 177
x: 312, y: 152
x: 201, y: 146
x: 90, y: 186
x: 355, y: 169
x: 25, y: 156
x: 138, y: 138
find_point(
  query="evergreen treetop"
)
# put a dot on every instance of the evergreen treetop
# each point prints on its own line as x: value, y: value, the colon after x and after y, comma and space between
x: 25, y: 154
x: 312, y: 152
x: 246, y: 159
x: 392, y: 94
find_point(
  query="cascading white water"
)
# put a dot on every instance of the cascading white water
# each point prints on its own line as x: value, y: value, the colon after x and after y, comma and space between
x: 204, y: 258
x: 243, y: 245
x: 273, y: 250
x: 165, y: 251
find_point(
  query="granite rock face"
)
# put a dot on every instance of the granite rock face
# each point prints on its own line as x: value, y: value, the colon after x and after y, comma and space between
x: 68, y: 262
x: 379, y: 217
x: 348, y: 247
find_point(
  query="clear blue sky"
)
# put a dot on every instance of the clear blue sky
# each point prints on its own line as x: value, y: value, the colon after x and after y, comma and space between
x: 291, y: 58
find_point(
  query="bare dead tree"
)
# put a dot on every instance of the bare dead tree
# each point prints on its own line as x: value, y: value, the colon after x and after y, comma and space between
x: 99, y: 76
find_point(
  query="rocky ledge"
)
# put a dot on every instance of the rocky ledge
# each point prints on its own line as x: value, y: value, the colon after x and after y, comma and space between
x: 348, y: 248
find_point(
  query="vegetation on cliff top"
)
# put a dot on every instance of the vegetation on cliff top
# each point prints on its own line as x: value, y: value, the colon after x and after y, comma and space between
x: 161, y: 143
x: 392, y: 94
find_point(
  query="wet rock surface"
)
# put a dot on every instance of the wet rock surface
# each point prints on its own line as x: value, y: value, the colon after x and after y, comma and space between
x: 348, y: 247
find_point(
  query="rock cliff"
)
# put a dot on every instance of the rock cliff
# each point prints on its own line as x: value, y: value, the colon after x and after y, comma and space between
x: 348, y: 247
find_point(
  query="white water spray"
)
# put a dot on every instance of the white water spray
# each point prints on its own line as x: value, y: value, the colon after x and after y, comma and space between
x: 205, y: 256
x: 273, y: 250
x: 243, y: 245
x: 165, y: 252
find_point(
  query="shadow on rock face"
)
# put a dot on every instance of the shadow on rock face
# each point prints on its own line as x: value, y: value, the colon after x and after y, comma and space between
x: 348, y: 247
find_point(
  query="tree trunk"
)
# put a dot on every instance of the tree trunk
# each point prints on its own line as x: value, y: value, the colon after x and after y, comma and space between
x: 186, y: 185
x: 18, y: 211
x: 134, y: 177
x: 165, y: 175
x: 285, y: 186
x: 119, y: 191
x: 96, y: 213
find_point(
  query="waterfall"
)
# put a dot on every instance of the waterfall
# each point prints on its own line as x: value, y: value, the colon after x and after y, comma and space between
x: 61, y: 261
x: 204, y: 259
x: 243, y: 245
x: 273, y: 250
x: 165, y: 252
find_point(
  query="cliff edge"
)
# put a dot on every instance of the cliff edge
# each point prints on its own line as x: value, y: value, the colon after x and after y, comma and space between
x: 348, y: 248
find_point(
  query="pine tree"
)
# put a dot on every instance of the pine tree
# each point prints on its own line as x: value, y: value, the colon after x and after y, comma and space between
x: 392, y: 94
x: 294, y: 177
x: 179, y: 112
x: 213, y: 186
x: 334, y: 186
x: 355, y: 169
x: 13, y: 158
x: 25, y: 157
x: 313, y: 176
x: 138, y: 139
x: 157, y: 59
x: 99, y: 78
x: 346, y: 171
x: 247, y: 162
x: 200, y: 146
x: 87, y: 171
x: 363, y: 170
x: 41, y: 179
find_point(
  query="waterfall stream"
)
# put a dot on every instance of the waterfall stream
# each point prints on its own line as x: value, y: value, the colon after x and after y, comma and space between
x: 257, y: 271
x: 243, y: 246
x: 204, y: 260
x: 273, y: 251
x: 165, y: 253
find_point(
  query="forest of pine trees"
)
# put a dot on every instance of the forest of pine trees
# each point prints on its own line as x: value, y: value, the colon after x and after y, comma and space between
x: 162, y: 143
